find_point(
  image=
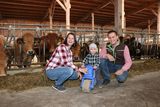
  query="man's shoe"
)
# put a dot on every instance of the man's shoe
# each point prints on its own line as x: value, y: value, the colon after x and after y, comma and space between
x: 60, y: 88
x: 106, y: 82
x: 120, y: 84
x: 100, y: 86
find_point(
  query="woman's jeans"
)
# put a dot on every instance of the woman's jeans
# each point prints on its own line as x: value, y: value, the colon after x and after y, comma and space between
x: 61, y: 74
x: 107, y: 67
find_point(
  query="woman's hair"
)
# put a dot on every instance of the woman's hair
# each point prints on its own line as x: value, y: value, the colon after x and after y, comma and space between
x: 75, y: 41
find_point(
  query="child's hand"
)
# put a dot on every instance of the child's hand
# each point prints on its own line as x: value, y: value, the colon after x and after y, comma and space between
x: 82, y: 66
x: 95, y: 67
x: 83, y: 70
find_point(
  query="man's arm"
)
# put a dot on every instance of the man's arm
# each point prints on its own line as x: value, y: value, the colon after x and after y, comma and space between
x: 128, y: 60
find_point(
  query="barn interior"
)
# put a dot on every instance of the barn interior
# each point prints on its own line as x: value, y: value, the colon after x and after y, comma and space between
x: 25, y: 84
x: 138, y: 13
x: 89, y: 19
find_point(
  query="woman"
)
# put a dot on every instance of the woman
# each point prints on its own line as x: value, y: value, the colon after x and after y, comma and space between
x: 60, y: 66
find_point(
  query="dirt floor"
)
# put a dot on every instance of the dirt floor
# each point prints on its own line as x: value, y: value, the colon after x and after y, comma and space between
x: 140, y: 91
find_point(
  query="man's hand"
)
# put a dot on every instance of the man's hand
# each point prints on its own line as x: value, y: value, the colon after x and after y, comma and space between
x: 110, y: 57
x: 119, y: 72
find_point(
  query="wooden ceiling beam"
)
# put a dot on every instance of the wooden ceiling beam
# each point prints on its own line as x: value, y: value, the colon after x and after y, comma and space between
x: 89, y: 3
x: 19, y: 17
x: 23, y: 18
x: 28, y: 1
x: 21, y: 11
x: 104, y: 3
x: 143, y: 7
x: 51, y: 7
x: 21, y: 4
x: 104, y: 13
x: 137, y: 10
x: 22, y: 14
x: 21, y: 8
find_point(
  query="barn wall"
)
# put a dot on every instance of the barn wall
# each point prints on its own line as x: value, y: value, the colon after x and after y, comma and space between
x: 58, y: 25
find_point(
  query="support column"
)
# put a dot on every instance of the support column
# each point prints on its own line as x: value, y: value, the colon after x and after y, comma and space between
x: 92, y: 21
x: 149, y: 26
x: 50, y: 18
x: 66, y: 6
x: 124, y: 25
x: 158, y: 19
x: 119, y: 16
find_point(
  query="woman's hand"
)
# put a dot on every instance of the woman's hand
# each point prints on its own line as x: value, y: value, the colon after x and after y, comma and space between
x: 110, y: 57
x: 77, y: 69
x: 79, y: 75
x: 83, y: 70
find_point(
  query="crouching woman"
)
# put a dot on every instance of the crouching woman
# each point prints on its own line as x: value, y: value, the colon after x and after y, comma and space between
x: 60, y: 67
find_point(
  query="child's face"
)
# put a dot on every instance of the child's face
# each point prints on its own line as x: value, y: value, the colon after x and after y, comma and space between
x: 93, y: 50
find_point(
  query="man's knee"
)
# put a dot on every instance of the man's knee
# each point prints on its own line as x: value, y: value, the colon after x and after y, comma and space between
x: 121, y: 78
x: 103, y: 61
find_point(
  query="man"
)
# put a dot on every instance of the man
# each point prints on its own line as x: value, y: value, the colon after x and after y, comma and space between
x: 114, y: 58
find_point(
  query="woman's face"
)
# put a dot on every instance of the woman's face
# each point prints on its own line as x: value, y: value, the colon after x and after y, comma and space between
x: 70, y: 40
x: 112, y: 38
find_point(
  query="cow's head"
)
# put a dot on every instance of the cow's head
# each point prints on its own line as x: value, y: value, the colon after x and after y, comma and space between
x: 28, y: 40
x: 37, y: 41
x: 2, y: 40
x: 51, y: 41
x: 28, y: 43
x: 60, y: 40
x: 76, y: 51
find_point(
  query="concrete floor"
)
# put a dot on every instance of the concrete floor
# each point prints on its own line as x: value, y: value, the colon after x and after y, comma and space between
x: 140, y: 91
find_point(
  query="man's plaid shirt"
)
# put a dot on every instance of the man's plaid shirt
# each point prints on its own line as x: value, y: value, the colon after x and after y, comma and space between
x: 61, y: 57
x: 94, y: 60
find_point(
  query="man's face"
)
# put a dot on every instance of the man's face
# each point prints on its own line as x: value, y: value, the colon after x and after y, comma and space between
x: 112, y: 38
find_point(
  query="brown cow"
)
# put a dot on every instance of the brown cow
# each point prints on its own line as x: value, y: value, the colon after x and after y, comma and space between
x: 84, y: 51
x: 3, y: 57
x: 48, y: 44
x: 24, y: 52
x: 76, y: 52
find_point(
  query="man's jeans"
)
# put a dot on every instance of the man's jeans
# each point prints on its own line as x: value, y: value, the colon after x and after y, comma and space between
x: 61, y: 74
x: 108, y: 67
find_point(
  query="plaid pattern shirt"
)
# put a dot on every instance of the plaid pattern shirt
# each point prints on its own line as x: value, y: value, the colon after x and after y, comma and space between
x: 61, y: 57
x: 94, y: 60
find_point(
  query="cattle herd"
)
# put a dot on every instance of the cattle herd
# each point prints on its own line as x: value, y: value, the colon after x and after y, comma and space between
x: 140, y: 50
x: 25, y: 48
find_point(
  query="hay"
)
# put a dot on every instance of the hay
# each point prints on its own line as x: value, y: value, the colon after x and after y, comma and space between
x: 150, y: 65
x: 24, y: 81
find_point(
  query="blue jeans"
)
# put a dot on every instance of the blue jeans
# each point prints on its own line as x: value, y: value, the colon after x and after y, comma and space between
x: 107, y: 67
x: 61, y: 74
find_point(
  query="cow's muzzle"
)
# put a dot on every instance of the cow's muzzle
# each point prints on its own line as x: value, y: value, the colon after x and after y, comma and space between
x: 30, y: 52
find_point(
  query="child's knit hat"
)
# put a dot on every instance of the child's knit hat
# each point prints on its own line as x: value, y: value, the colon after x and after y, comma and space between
x: 92, y: 45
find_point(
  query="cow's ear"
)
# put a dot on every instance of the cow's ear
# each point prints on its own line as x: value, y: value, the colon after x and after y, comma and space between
x: 20, y: 41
